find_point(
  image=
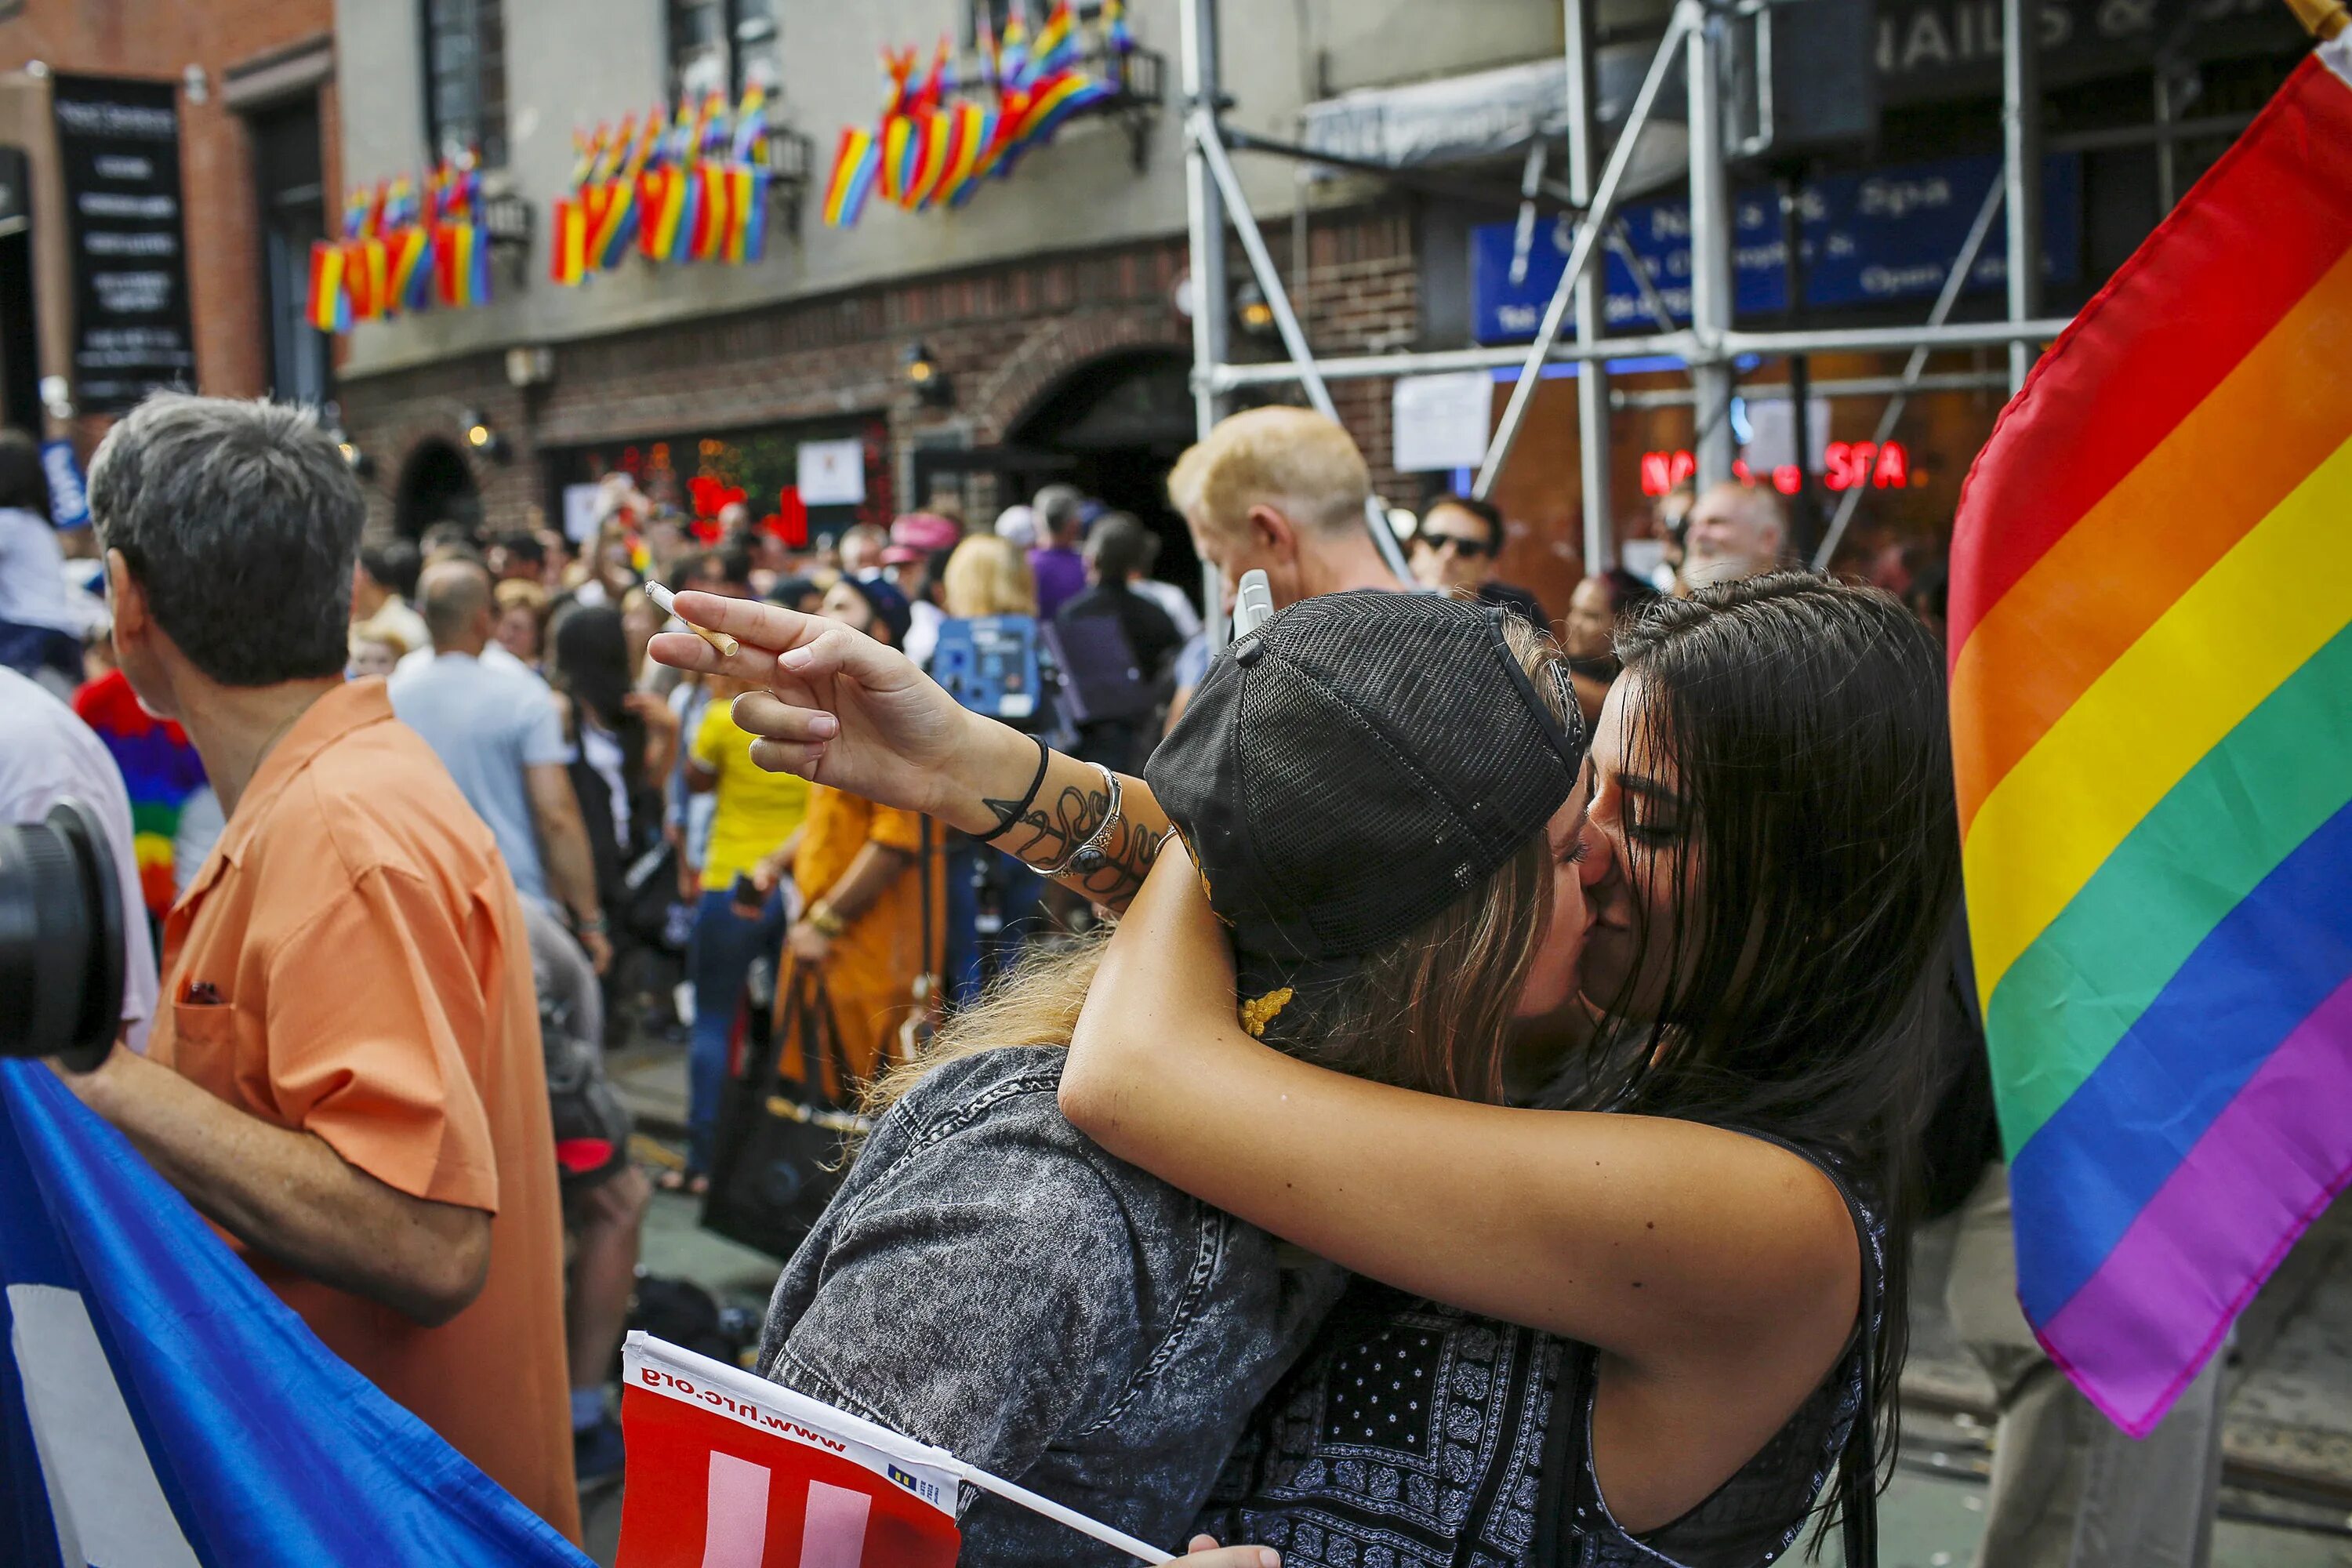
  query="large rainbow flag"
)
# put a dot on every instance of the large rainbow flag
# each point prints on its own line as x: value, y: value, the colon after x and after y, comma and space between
x: 2151, y: 622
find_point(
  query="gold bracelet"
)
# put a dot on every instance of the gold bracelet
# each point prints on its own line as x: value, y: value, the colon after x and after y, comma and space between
x: 823, y: 921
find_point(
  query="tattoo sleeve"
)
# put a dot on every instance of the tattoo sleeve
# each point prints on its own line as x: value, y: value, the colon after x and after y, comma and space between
x: 1068, y: 809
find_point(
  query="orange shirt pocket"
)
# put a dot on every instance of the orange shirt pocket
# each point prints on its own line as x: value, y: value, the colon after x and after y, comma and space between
x: 203, y: 1045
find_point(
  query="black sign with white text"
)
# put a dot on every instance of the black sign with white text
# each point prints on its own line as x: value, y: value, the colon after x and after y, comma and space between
x: 119, y: 144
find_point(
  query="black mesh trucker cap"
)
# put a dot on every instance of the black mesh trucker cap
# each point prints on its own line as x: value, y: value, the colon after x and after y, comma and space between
x: 1357, y: 766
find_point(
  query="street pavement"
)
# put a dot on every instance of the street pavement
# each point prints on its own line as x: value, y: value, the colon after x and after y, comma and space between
x: 2286, y: 1503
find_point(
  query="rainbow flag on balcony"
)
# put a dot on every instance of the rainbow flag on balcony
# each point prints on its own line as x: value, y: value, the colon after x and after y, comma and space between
x: 2152, y: 715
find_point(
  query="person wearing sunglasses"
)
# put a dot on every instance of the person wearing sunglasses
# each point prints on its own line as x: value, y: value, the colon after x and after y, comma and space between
x: 1453, y: 551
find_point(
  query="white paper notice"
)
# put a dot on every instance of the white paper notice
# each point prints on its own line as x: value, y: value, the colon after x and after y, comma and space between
x: 833, y: 473
x: 579, y: 512
x: 1772, y: 433
x: 1442, y: 421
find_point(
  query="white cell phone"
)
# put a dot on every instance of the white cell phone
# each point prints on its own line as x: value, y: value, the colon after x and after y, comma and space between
x: 1253, y: 605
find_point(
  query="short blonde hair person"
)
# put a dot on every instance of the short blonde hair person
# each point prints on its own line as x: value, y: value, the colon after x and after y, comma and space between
x: 987, y: 575
x: 1294, y: 460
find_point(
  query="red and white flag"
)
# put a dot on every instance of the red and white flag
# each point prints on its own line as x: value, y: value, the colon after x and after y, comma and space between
x: 729, y: 1470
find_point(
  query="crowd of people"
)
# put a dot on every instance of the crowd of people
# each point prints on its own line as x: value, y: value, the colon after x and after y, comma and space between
x: 1248, y: 1036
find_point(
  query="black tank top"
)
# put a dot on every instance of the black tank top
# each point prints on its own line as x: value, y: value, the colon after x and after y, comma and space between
x: 1414, y: 1434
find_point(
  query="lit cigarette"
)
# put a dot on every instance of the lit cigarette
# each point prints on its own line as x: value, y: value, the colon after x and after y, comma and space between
x: 666, y: 603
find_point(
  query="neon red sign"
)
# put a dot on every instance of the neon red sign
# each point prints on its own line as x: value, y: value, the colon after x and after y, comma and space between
x: 1845, y: 464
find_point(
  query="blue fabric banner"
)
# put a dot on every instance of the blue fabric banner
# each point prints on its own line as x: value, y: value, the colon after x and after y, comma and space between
x: 160, y: 1407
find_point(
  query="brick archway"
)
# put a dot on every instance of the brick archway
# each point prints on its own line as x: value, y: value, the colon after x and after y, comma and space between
x: 1058, y: 348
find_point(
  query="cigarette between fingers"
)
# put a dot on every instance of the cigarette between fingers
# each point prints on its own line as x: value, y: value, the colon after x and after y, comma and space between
x: 666, y: 603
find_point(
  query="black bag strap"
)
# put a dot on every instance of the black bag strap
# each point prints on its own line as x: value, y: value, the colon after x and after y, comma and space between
x: 811, y: 1021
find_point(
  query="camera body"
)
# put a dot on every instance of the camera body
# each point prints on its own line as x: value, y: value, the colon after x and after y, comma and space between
x: 62, y: 934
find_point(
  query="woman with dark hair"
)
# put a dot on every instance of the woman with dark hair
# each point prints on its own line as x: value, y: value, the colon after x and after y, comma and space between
x: 38, y: 635
x: 1772, y: 860
x: 624, y: 742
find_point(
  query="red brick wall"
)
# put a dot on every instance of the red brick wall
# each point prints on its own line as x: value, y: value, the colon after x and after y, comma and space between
x: 1003, y: 336
x: 160, y: 40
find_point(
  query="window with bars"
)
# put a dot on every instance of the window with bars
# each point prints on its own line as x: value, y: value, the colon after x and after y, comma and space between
x: 720, y: 46
x: 466, y: 78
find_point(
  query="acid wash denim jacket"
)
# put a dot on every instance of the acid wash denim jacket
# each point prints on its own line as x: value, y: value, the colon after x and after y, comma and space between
x: 990, y: 1281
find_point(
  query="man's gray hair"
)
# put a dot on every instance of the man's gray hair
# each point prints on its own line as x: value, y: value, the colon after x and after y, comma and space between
x: 241, y: 520
x: 1057, y: 507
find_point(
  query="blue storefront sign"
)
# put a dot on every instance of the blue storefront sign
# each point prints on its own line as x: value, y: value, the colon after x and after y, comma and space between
x: 1885, y: 236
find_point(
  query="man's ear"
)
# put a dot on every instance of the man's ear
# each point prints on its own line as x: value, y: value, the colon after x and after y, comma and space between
x: 126, y: 600
x: 1275, y: 536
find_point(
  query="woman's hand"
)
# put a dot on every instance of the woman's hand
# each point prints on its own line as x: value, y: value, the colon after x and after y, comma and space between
x: 808, y: 946
x: 1204, y: 1553
x: 837, y: 706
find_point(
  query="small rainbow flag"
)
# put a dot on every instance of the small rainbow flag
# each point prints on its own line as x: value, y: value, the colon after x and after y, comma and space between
x: 567, y: 261
x: 2152, y: 716
x: 330, y: 307
x: 855, y: 160
x: 661, y: 192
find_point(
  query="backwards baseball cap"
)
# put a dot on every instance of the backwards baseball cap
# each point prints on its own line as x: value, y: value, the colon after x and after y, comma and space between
x: 1359, y: 765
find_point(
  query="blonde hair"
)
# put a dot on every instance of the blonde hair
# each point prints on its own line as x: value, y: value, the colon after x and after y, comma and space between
x: 1431, y: 1011
x: 988, y: 577
x: 1292, y: 458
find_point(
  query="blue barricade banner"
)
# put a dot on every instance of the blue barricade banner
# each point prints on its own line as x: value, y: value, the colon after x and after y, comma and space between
x: 161, y: 1408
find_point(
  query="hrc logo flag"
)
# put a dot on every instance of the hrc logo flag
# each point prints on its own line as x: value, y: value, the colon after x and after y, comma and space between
x: 160, y: 1408
x: 729, y: 1470
x: 2152, y: 722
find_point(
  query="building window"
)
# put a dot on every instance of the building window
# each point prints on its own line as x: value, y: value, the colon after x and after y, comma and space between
x: 466, y: 78
x: 289, y: 176
x: 720, y: 46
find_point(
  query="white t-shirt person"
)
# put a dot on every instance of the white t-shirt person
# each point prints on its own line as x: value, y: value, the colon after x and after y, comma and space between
x: 47, y: 754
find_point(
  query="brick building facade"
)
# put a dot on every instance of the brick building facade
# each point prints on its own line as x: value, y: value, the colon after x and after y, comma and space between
x: 238, y: 63
x: 1006, y: 338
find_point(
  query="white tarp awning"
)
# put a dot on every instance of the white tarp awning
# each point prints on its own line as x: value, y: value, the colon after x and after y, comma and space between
x: 1496, y: 113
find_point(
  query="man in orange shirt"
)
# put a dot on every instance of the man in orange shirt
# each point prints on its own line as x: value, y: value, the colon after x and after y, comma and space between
x: 345, y: 1076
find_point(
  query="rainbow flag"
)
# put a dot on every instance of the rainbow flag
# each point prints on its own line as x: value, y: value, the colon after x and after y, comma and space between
x: 160, y: 771
x: 567, y: 257
x: 330, y: 307
x: 2151, y: 699
x: 854, y: 163
x: 661, y: 192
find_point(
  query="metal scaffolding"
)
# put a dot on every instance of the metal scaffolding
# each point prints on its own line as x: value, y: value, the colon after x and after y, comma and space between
x: 1710, y: 347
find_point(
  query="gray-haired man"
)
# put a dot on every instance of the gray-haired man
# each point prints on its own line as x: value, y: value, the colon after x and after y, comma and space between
x: 345, y: 1075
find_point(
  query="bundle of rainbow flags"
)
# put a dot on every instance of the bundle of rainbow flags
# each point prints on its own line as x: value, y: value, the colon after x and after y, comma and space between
x: 405, y: 248
x: 929, y: 152
x: 2151, y: 620
x: 692, y: 188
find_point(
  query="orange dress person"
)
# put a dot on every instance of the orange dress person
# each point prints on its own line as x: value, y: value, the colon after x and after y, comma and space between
x: 869, y: 967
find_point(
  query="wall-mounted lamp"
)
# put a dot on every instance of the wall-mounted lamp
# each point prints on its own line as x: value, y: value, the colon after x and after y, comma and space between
x: 480, y: 438
x: 1251, y: 312
x: 359, y: 462
x: 923, y: 374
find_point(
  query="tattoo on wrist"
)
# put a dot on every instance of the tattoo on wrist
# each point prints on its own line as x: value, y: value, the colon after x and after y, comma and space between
x: 1056, y: 827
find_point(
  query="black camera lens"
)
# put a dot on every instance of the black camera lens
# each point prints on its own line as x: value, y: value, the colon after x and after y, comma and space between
x: 61, y: 929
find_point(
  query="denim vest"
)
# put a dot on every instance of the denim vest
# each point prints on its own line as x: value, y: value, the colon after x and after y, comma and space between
x: 990, y: 1281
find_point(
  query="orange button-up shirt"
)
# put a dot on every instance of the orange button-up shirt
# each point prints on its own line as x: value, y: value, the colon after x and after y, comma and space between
x: 351, y: 961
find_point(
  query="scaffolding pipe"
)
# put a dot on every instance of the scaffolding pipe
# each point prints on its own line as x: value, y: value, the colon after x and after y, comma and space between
x: 1204, y: 223
x: 1203, y: 130
x: 1711, y: 259
x: 1954, y: 281
x: 2020, y: 151
x: 1592, y: 384
x: 1755, y: 392
x: 1878, y: 340
x: 1590, y: 231
x: 1431, y: 362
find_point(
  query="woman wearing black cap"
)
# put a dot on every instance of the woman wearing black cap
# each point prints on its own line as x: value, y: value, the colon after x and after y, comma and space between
x: 989, y: 1280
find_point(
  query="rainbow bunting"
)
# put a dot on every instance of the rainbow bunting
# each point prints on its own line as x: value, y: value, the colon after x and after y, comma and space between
x: 855, y: 160
x: 2152, y: 617
x: 330, y: 307
x: 1056, y: 99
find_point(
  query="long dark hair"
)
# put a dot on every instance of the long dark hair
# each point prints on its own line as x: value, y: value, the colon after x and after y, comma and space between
x: 24, y: 483
x: 1807, y: 722
x: 588, y: 661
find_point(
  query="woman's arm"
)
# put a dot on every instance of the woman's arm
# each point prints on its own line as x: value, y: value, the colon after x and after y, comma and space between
x: 835, y: 706
x: 1666, y: 1243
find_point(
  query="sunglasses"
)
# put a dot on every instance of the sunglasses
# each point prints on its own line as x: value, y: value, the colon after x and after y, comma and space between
x: 1468, y: 549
